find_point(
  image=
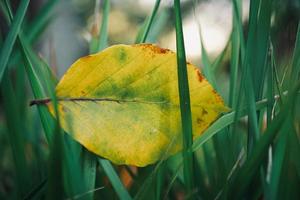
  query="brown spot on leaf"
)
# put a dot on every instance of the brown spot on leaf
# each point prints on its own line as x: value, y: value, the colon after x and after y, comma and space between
x: 153, y: 48
x: 204, y: 112
x: 199, y: 75
x: 199, y: 120
x: 63, y: 109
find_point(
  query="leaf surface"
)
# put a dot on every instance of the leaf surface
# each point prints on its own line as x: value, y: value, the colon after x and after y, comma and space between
x: 123, y: 103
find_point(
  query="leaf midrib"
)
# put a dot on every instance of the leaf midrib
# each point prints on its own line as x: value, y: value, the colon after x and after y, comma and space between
x: 84, y: 99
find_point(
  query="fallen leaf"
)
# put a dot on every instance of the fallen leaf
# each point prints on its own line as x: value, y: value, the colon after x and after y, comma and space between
x: 123, y: 103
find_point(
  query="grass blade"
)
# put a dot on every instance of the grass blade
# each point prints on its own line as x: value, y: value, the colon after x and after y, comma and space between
x: 9, y: 42
x: 296, y: 58
x: 35, y: 82
x: 223, y: 122
x: 103, y: 36
x: 253, y: 163
x: 148, y: 23
x: 114, y: 179
x: 38, y: 24
x: 15, y: 135
x: 184, y: 97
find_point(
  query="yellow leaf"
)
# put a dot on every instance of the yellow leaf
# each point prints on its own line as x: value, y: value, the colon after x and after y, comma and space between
x: 123, y: 103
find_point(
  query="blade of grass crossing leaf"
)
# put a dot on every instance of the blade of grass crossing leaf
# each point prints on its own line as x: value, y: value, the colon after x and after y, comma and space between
x: 104, y: 25
x: 221, y: 123
x: 37, y: 89
x: 12, y: 35
x: 73, y: 178
x: 55, y: 189
x: 184, y: 98
x: 114, y: 179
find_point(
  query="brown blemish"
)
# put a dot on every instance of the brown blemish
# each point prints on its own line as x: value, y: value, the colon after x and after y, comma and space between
x: 217, y: 97
x: 63, y: 109
x: 199, y: 120
x: 153, y: 48
x: 199, y: 75
x: 204, y: 112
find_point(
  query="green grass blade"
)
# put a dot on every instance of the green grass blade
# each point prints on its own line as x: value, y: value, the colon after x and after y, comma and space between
x: 38, y: 91
x: 10, y: 39
x: 278, y: 162
x: 142, y: 37
x: 207, y: 66
x: 4, y: 12
x: 55, y: 188
x: 221, y: 123
x: 114, y: 180
x: 103, y: 36
x: 15, y: 135
x: 295, y: 72
x: 89, y: 164
x: 184, y: 98
x: 37, y: 191
x: 253, y: 163
x: 235, y: 54
x: 218, y: 61
x: 34, y: 29
x: 158, y: 25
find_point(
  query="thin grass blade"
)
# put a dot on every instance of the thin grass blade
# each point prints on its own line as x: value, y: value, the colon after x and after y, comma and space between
x: 10, y: 39
x: 184, y: 97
